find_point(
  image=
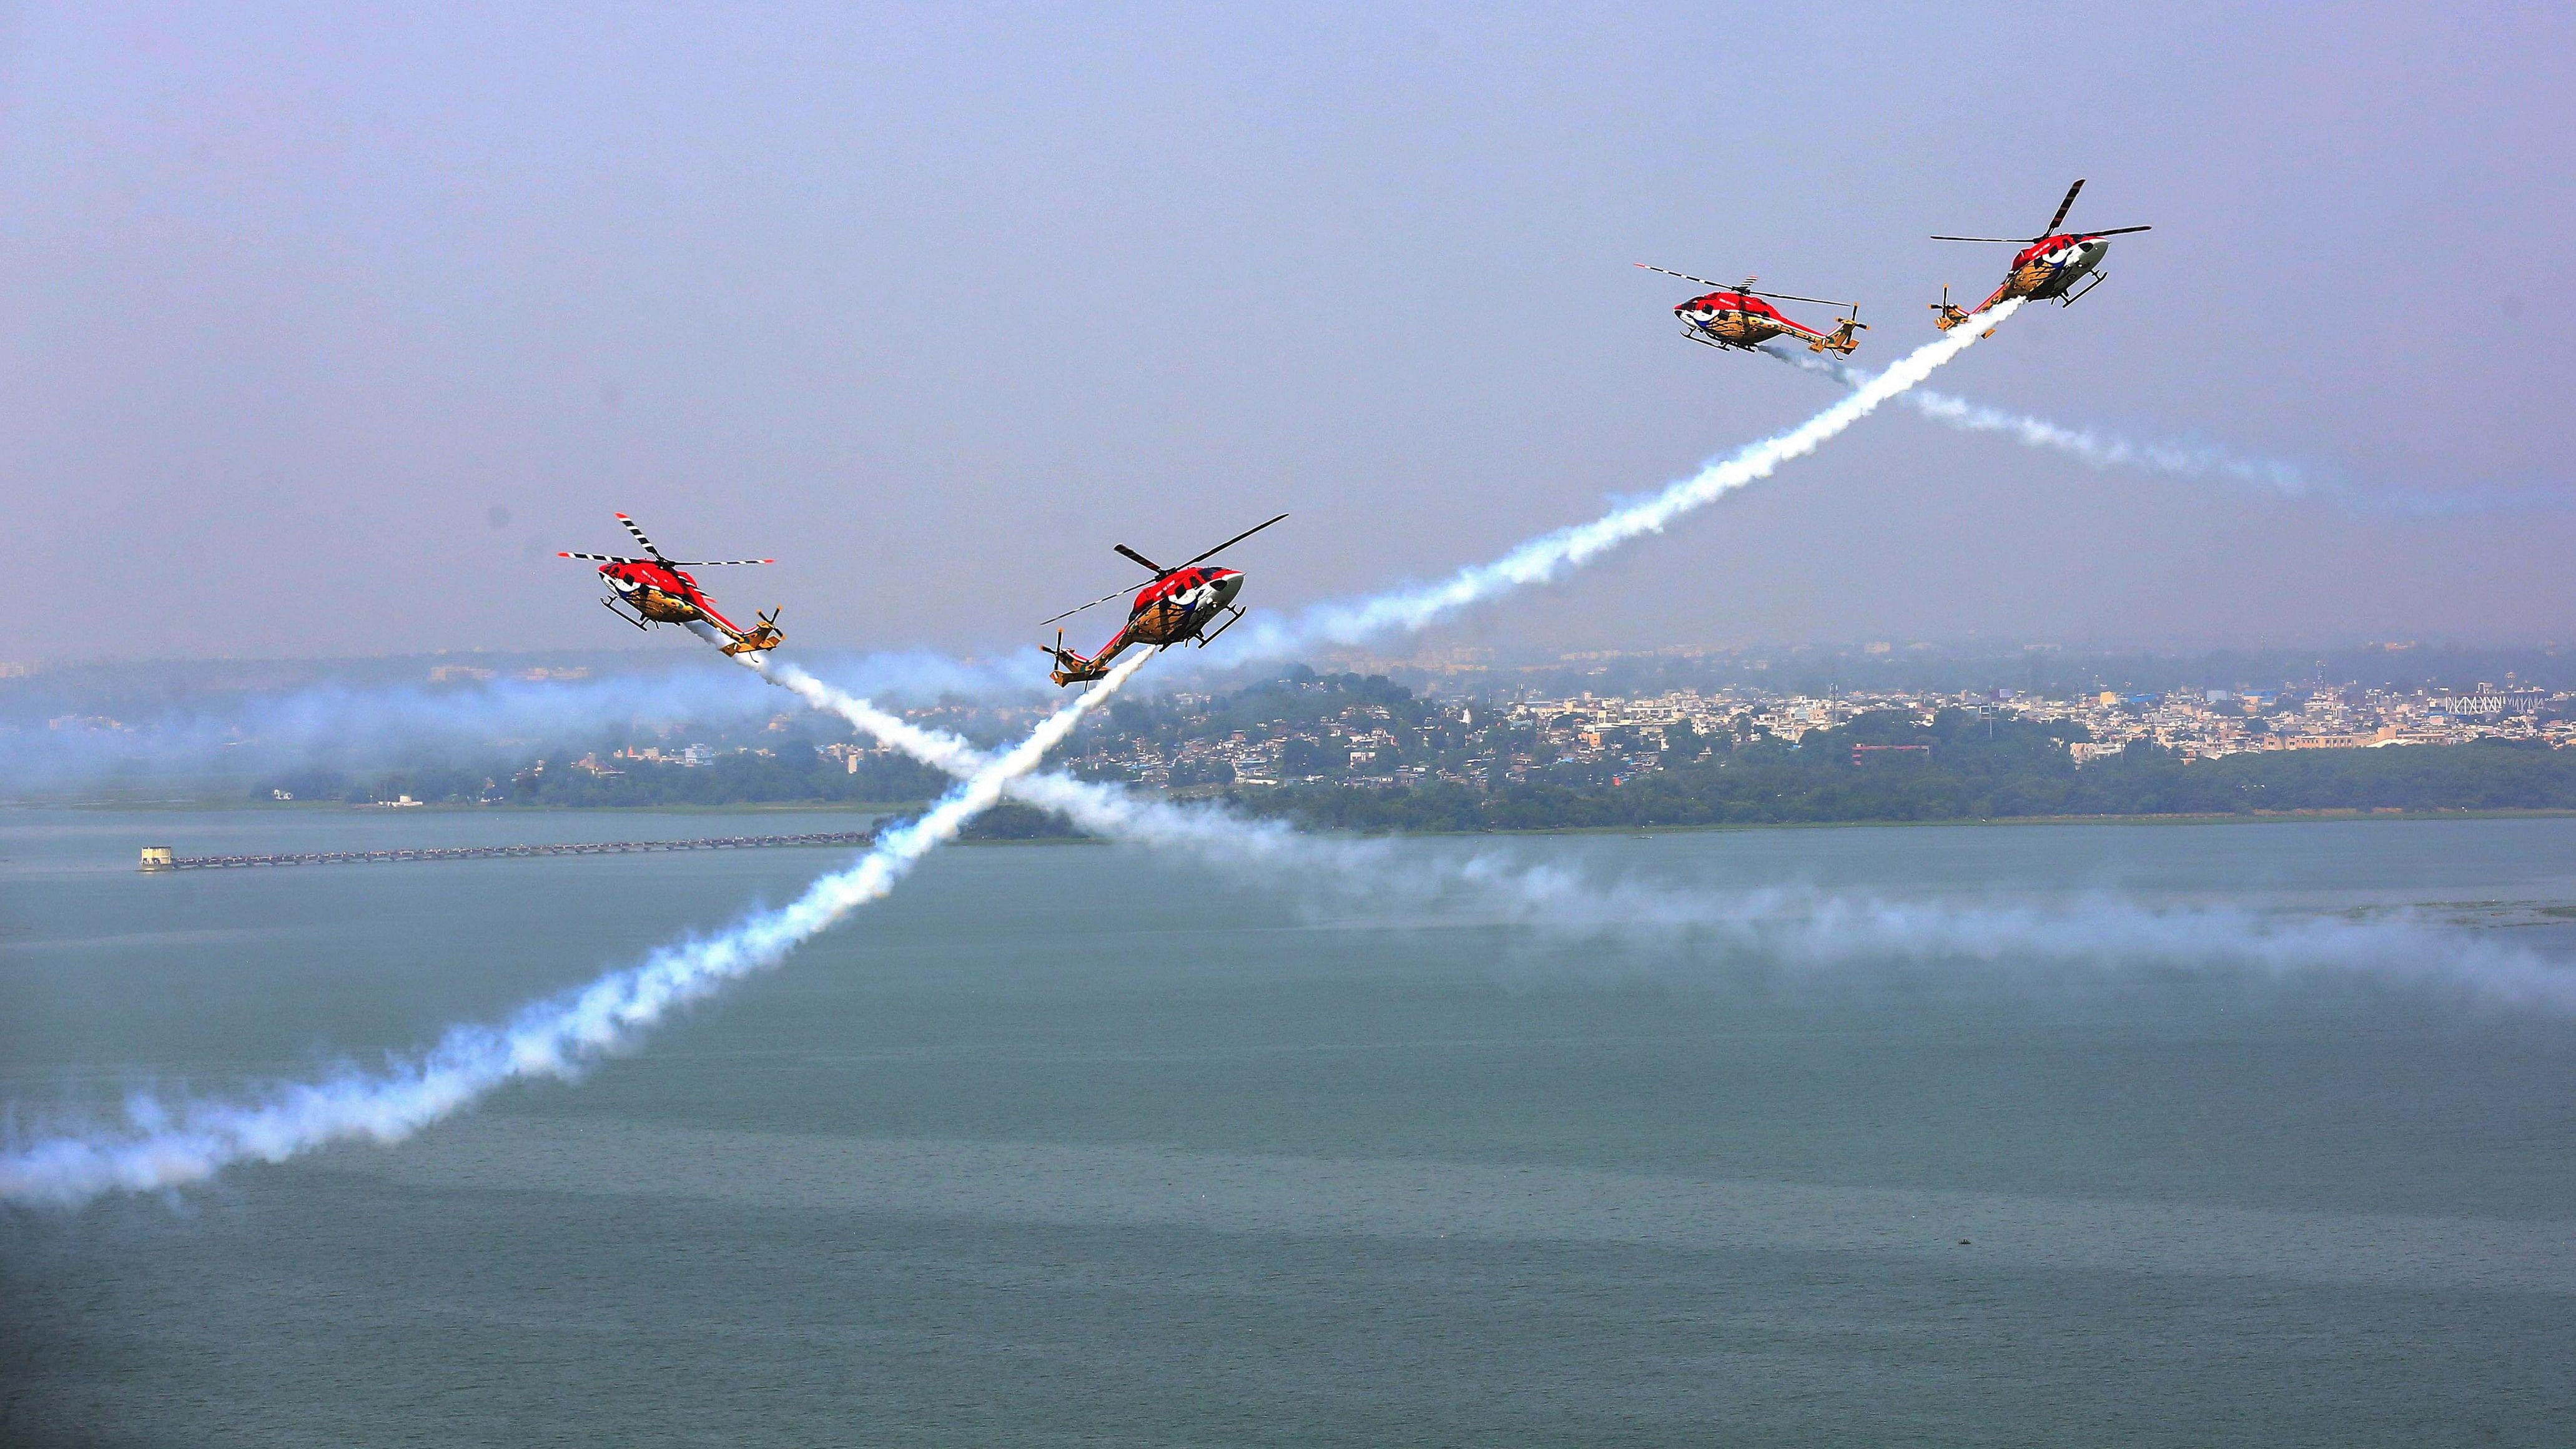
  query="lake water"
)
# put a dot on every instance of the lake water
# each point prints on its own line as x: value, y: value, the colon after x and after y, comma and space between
x: 1087, y: 1145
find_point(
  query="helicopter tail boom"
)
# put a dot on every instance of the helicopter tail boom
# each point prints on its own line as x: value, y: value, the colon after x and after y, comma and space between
x: 759, y: 638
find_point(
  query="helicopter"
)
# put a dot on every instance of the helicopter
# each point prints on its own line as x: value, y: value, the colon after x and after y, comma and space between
x: 2048, y: 268
x: 654, y: 590
x: 1175, y: 608
x: 1742, y: 318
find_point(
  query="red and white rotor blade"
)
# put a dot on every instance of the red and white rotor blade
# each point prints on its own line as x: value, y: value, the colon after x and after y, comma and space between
x: 640, y: 538
x: 2064, y: 207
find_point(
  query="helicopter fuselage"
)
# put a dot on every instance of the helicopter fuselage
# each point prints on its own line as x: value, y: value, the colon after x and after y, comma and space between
x: 2051, y: 266
x: 662, y: 595
x: 1737, y: 319
x: 1171, y: 610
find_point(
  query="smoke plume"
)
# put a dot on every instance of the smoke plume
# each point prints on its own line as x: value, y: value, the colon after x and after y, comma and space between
x: 2167, y: 458
x: 165, y: 1146
x: 1792, y: 930
x: 1543, y: 558
x: 345, y: 727
x: 359, y: 727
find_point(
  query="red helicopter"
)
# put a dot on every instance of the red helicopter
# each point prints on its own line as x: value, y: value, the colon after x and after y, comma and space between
x: 1175, y: 608
x: 2047, y: 269
x: 655, y: 591
x: 1738, y: 317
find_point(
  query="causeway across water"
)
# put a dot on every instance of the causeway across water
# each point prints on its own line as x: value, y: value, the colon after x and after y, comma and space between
x: 159, y: 857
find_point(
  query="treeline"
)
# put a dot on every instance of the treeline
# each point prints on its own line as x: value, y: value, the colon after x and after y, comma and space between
x: 789, y: 776
x: 1976, y: 769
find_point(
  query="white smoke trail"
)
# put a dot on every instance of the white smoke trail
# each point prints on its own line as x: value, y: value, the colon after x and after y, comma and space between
x: 339, y: 726
x: 165, y: 1147
x: 1803, y: 929
x: 2181, y: 460
x: 2167, y: 458
x: 1783, y: 926
x: 329, y: 724
x: 1534, y: 562
x: 1542, y: 558
x: 1792, y: 928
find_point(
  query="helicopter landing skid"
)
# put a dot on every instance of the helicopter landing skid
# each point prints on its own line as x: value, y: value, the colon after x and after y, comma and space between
x: 1231, y: 615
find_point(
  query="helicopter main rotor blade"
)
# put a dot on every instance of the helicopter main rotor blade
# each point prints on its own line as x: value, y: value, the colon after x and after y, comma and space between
x: 2023, y: 241
x: 1069, y: 613
x: 2063, y: 206
x: 1685, y: 276
x: 1229, y: 543
x: 640, y: 538
x: 713, y: 563
x: 600, y: 557
x: 1160, y: 572
x: 1792, y: 297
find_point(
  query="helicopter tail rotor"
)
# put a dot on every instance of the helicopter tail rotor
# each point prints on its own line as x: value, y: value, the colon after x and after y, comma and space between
x: 1070, y: 667
x: 761, y: 637
x: 1841, y: 340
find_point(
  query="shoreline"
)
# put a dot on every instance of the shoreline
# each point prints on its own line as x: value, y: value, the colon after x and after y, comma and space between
x: 881, y: 809
x: 315, y: 807
x: 2260, y: 817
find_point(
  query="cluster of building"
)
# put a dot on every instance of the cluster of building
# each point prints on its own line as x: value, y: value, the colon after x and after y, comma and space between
x: 691, y: 755
x: 2195, y: 724
x: 1366, y: 743
x: 1482, y: 744
x: 2211, y: 723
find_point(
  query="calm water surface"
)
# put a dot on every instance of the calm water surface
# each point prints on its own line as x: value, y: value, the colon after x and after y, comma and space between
x: 1083, y: 1145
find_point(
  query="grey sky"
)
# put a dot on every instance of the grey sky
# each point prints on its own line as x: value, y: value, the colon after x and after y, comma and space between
x: 936, y: 306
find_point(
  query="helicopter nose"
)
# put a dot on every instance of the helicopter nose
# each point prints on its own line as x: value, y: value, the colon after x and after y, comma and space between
x: 1227, y: 587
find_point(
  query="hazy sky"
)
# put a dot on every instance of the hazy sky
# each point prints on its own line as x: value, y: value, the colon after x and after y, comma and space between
x: 323, y: 327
